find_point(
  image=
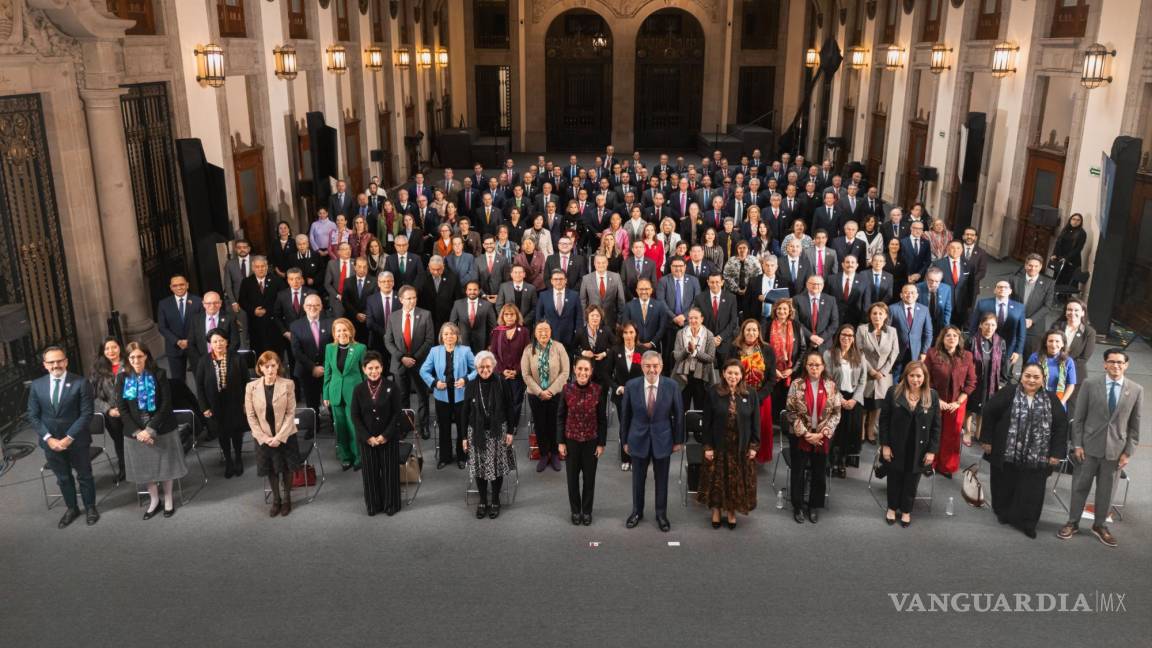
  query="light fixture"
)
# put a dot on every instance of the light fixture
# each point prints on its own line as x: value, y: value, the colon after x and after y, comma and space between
x: 1004, y: 59
x: 1095, y: 72
x: 403, y: 58
x: 599, y: 41
x: 284, y: 60
x: 424, y: 58
x: 939, y: 60
x: 209, y: 65
x: 811, y: 58
x: 857, y: 57
x: 337, y: 59
x: 893, y: 58
x: 442, y: 57
x: 374, y: 58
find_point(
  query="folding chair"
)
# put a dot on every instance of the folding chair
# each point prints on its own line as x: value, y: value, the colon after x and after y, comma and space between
x: 784, y: 455
x: 470, y: 488
x: 306, y: 424
x: 186, y: 428
x: 693, y: 456
x: 1062, y: 468
x: 95, y: 451
x: 407, y: 448
x: 931, y: 498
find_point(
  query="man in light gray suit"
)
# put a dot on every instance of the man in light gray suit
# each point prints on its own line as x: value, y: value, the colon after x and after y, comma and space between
x: 409, y: 339
x: 520, y: 294
x: 236, y: 269
x: 449, y: 185
x: 1104, y: 434
x: 604, y: 289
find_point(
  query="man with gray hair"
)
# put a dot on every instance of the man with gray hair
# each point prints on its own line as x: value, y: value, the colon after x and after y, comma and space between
x: 651, y: 429
x: 438, y: 290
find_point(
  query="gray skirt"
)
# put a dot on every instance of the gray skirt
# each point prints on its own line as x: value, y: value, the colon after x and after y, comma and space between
x: 162, y: 461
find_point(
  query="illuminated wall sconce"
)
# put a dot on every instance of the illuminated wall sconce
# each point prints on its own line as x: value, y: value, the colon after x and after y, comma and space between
x: 337, y: 59
x: 857, y: 58
x: 1004, y: 59
x: 599, y: 41
x: 374, y: 58
x: 209, y: 65
x: 894, y: 58
x: 403, y: 58
x: 811, y: 58
x: 442, y: 58
x: 284, y: 59
x: 939, y: 60
x: 424, y: 58
x: 1095, y: 72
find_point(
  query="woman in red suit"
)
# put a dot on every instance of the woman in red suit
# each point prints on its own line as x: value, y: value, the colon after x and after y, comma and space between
x: 758, y: 361
x: 654, y: 249
x: 952, y: 373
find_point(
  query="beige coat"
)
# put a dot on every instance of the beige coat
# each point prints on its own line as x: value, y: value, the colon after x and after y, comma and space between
x: 283, y: 404
x: 558, y: 367
x: 878, y: 356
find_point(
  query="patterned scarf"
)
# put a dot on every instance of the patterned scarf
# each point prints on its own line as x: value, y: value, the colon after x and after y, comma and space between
x: 1028, y: 430
x: 142, y: 389
x: 221, y: 373
x: 782, y: 344
x: 993, y: 357
x: 543, y: 354
x: 1061, y: 374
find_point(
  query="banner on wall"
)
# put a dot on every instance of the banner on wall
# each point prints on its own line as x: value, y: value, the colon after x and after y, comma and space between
x: 1107, y: 177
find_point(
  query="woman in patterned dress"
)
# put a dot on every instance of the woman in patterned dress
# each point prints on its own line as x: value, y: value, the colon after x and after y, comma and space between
x: 758, y: 361
x: 731, y: 441
x: 489, y: 441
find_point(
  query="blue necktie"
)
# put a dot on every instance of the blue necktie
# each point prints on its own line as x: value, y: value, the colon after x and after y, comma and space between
x: 1111, y: 397
x: 877, y: 277
x: 679, y: 297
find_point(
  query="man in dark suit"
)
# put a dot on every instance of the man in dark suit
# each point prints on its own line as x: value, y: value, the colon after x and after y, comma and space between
x: 337, y: 276
x: 487, y: 216
x: 957, y: 276
x: 175, y: 312
x: 438, y: 290
x: 721, y: 314
x: 419, y: 188
x: 406, y: 267
x: 879, y: 283
x: 650, y: 316
x: 475, y: 317
x: 289, y: 305
x: 561, y: 308
x: 341, y: 202
x: 60, y: 409
x: 937, y: 296
x: 309, y: 335
x: 426, y: 217
x: 698, y: 267
x: 913, y: 325
x: 635, y: 268
x: 356, y: 296
x: 469, y: 198
x: 365, y: 210
x: 409, y: 338
x: 873, y: 205
x: 605, y: 289
x: 917, y: 253
x: 1010, y: 324
x: 492, y: 269
x: 574, y: 266
x: 848, y: 244
x: 651, y: 430
x: 679, y: 200
x: 895, y: 227
x: 794, y: 268
x: 546, y: 195
x: 520, y: 294
x: 775, y: 216
x: 817, y: 313
x: 211, y: 317
x: 1035, y: 291
x: 258, y: 299
x: 827, y: 217
x: 311, y: 265
x: 977, y: 260
x: 849, y: 291
x: 450, y: 186
x: 851, y: 206
x: 379, y: 307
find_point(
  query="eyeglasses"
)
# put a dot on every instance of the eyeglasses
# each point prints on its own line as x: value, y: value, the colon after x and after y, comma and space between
x: 1115, y: 362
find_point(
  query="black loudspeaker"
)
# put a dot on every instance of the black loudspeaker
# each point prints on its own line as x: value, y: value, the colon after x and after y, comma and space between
x: 1046, y: 216
x: 13, y: 323
x: 970, y: 175
x: 206, y: 202
x: 1115, y: 235
x: 928, y: 174
x: 322, y: 140
x: 376, y: 155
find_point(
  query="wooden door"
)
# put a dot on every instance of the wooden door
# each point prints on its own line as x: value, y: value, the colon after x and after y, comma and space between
x: 582, y: 118
x: 1042, y: 180
x: 386, y: 148
x: 1135, y: 309
x: 913, y: 159
x: 250, y: 197
x: 669, y: 81
x: 847, y: 133
x: 876, y: 147
x: 354, y: 161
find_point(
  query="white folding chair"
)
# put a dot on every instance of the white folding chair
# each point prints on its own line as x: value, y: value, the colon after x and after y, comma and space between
x: 95, y: 451
x: 306, y: 423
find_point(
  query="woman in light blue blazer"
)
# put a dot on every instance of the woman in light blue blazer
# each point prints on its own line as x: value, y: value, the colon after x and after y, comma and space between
x: 448, y: 367
x: 461, y: 262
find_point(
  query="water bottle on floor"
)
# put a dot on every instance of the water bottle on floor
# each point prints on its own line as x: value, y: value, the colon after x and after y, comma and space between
x: 780, y: 499
x: 951, y: 508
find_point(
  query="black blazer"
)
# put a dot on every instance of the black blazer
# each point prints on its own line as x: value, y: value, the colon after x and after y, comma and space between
x: 621, y: 374
x: 898, y: 421
x: 716, y: 420
x: 198, y: 334
x: 605, y: 341
x: 376, y: 418
x: 227, y: 406
x: 997, y: 419
x: 162, y: 421
x: 305, y: 354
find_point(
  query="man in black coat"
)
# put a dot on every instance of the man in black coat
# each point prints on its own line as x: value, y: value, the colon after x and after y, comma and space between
x: 475, y: 317
x: 849, y: 291
x: 356, y: 294
x: 341, y: 202
x: 438, y: 290
x: 721, y: 314
x: 405, y: 266
x: 848, y: 244
x: 175, y: 312
x: 258, y: 299
x: 574, y: 266
x: 310, y: 334
x: 699, y: 267
x: 289, y: 305
x: 818, y: 327
x: 212, y: 317
x: 880, y: 284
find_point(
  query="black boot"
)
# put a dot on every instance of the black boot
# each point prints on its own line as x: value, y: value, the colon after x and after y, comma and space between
x: 228, y: 470
x: 274, y: 484
x: 286, y: 504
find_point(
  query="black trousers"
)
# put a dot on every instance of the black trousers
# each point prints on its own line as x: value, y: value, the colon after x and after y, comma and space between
x: 581, y: 460
x: 115, y: 427
x: 1017, y: 495
x: 482, y: 487
x: 617, y: 400
x: 230, y: 438
x: 695, y: 394
x: 902, y: 489
x: 544, y: 422
x: 62, y: 463
x: 177, y: 366
x: 380, y: 468
x: 846, y: 441
x: 447, y: 414
x: 408, y: 381
x: 814, y: 477
x: 311, y: 390
x: 640, y: 480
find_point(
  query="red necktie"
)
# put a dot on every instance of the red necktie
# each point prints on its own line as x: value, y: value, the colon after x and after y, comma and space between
x: 343, y: 274
x: 909, y: 317
x: 489, y: 264
x: 847, y: 287
x: 603, y: 288
x: 715, y: 308
x: 819, y: 262
x: 471, y: 313
x: 408, y: 331
x: 815, y: 313
x: 564, y: 264
x: 296, y: 301
x: 955, y: 272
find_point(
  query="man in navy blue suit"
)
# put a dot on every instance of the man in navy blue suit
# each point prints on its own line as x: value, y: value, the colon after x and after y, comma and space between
x: 310, y: 334
x: 60, y: 408
x: 176, y: 311
x: 650, y: 316
x: 1009, y: 319
x: 561, y: 308
x: 651, y: 429
x: 957, y: 276
x: 917, y: 252
x: 913, y: 325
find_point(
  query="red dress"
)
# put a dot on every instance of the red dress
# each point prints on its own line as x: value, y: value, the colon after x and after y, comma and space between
x: 655, y: 252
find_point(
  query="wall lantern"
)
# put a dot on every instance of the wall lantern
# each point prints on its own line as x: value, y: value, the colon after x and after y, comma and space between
x: 374, y: 58
x: 424, y: 58
x: 442, y: 58
x: 811, y: 58
x: 209, y: 65
x: 857, y: 58
x: 337, y: 59
x: 284, y: 59
x: 1095, y: 72
x: 1004, y: 59
x: 939, y: 61
x: 599, y: 41
x: 894, y: 58
x: 403, y: 58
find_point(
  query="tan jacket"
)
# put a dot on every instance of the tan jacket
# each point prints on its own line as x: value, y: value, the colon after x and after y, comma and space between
x: 557, y: 366
x: 283, y: 404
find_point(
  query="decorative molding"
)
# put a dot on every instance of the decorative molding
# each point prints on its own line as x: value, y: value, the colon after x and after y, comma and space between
x: 909, y: 5
x: 622, y: 9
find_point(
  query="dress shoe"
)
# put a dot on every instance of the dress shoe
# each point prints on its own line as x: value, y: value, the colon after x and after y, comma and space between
x: 576, y: 519
x: 169, y: 512
x: 889, y: 520
x: 345, y: 466
x: 555, y: 462
x: 440, y: 464
x: 69, y: 517
x: 813, y: 516
x: 731, y: 524
x: 481, y: 511
x: 663, y: 523
x: 586, y: 519
x: 1104, y: 535
x: 798, y: 515
x: 543, y: 463
x: 906, y: 523
x: 276, y: 510
x: 946, y: 475
x: 121, y: 476
x: 493, y: 511
x: 625, y: 466
x: 370, y: 513
x: 148, y: 515
x: 228, y: 470
x: 286, y: 508
x: 716, y: 524
x: 93, y: 516
x: 1068, y: 530
x: 633, y: 520
x: 425, y: 434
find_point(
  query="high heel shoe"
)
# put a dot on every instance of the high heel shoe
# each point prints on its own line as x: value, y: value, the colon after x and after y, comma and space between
x: 481, y: 512
x: 731, y: 525
x: 890, y: 520
x: 715, y: 524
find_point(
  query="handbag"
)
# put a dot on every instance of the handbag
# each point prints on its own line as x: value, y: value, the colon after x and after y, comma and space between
x: 304, y: 476
x: 411, y: 461
x: 971, y: 488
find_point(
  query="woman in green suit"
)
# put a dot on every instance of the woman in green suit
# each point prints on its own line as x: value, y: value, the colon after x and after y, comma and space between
x: 341, y: 376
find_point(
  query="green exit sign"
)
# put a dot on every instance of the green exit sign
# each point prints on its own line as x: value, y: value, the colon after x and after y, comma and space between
x: 1094, y: 171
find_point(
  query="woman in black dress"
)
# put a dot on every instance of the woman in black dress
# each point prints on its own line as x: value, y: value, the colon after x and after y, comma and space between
x: 489, y: 441
x: 1025, y: 435
x: 220, y: 381
x: 731, y: 441
x: 1069, y: 247
x: 594, y: 341
x: 103, y: 378
x: 376, y: 404
x: 909, y: 438
x: 583, y: 422
x: 270, y: 407
x: 625, y: 367
x: 894, y: 265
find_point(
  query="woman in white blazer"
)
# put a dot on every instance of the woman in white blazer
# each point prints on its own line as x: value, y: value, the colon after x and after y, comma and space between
x: 879, y: 347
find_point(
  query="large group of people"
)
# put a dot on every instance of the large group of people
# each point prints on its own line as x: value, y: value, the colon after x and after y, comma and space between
x: 753, y: 291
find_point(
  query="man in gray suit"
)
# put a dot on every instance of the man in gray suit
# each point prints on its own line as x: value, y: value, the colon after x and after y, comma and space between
x: 604, y: 289
x: 1105, y: 431
x: 408, y: 340
x: 340, y: 272
x: 492, y: 269
x: 236, y: 269
x: 822, y: 258
x: 1035, y: 291
x: 450, y: 186
x: 520, y: 294
x: 475, y: 317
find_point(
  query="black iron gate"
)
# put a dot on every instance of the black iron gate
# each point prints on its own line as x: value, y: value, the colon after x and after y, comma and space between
x: 152, y: 165
x: 33, y: 269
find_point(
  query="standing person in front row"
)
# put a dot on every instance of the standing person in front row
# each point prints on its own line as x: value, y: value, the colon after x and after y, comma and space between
x: 952, y: 372
x: 220, y: 381
x: 270, y: 407
x: 1025, y: 434
x: 909, y: 438
x: 651, y: 429
x: 154, y: 455
x: 375, y: 409
x: 545, y: 368
x: 341, y: 375
x: 1105, y: 432
x: 731, y: 441
x: 446, y: 370
x: 60, y: 408
x: 879, y: 348
x: 583, y: 424
x: 814, y: 408
x: 846, y: 367
x: 489, y: 433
